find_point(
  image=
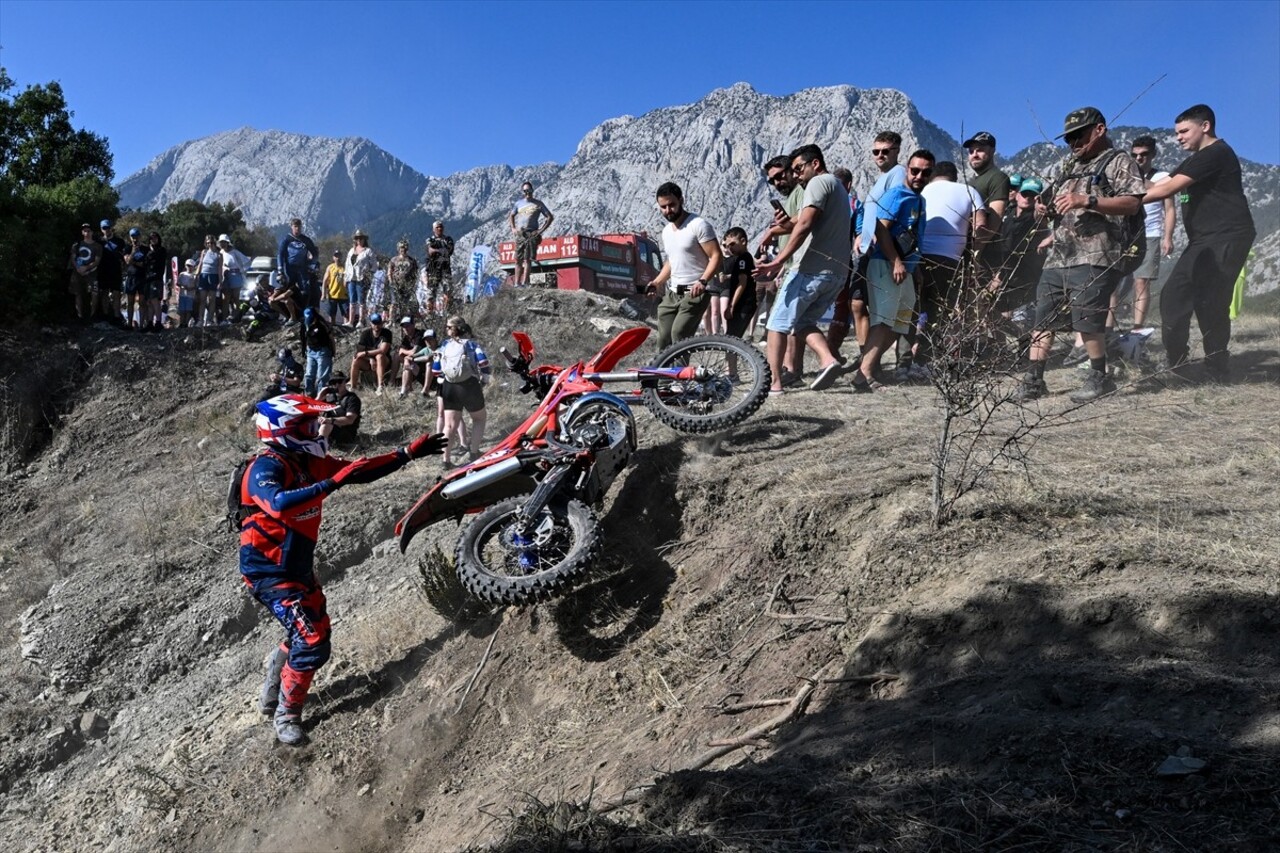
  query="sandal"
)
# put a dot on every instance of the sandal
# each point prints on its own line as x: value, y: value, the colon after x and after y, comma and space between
x: 866, y: 386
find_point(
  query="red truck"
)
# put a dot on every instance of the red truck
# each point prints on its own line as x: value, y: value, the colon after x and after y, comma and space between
x: 617, y: 264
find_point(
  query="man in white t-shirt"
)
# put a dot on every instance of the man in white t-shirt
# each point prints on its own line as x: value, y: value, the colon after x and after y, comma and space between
x: 1161, y: 218
x: 953, y: 213
x: 692, y: 258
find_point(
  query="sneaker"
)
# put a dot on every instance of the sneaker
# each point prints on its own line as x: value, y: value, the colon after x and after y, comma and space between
x: 791, y: 378
x: 289, y: 728
x: 1096, y: 384
x: 270, y: 695
x: 825, y: 378
x: 378, y: 391
x: 902, y: 374
x: 1078, y: 354
x: 1030, y: 388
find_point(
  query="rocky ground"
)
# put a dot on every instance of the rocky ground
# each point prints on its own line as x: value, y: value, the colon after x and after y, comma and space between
x: 778, y: 651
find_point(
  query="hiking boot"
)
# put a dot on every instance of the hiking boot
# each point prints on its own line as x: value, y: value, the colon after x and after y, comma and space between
x: 1096, y: 384
x: 289, y: 728
x: 1031, y: 388
x: 269, y: 698
x: 1078, y: 354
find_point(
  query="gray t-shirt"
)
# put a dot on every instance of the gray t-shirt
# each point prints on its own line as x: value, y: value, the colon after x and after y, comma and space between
x: 829, y: 244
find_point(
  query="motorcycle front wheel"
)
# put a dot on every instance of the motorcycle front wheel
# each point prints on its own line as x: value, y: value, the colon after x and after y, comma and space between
x: 733, y: 381
x: 497, y: 564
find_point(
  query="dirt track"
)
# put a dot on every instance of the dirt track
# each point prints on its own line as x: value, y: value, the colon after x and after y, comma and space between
x: 1013, y: 681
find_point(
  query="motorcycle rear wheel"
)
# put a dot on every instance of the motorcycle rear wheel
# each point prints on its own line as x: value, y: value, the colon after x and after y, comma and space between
x: 714, y: 403
x: 566, y: 540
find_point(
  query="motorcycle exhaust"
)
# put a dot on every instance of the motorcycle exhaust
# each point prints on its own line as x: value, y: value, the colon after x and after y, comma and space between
x: 474, y: 482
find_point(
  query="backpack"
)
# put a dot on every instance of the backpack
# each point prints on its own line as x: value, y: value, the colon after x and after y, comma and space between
x: 1133, y: 231
x: 236, y: 511
x: 458, y: 361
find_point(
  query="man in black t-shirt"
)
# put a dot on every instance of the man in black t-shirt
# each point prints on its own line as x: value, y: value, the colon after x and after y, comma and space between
x: 1220, y: 231
x: 374, y: 350
x: 110, y: 274
x: 346, y: 419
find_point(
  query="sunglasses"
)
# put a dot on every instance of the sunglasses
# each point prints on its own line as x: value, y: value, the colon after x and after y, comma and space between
x: 925, y: 172
x: 778, y: 177
x: 1079, y: 134
x: 882, y: 152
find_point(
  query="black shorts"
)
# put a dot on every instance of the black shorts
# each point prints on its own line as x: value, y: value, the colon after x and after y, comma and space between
x: 858, y: 284
x: 1075, y: 299
x: 741, y: 318
x: 457, y: 396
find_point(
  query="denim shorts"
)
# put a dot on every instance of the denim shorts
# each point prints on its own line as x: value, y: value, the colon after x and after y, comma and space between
x: 802, y: 300
x: 355, y: 292
x: 208, y: 281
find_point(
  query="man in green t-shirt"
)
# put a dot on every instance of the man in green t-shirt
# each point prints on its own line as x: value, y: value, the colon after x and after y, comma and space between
x: 993, y: 185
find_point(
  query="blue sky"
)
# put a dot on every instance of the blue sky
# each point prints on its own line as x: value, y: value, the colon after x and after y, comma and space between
x: 449, y: 86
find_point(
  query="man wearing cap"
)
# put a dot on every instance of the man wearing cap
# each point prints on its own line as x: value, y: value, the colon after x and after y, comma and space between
x: 525, y: 218
x: 1097, y: 190
x: 410, y: 343
x: 373, y: 351
x: 994, y: 187
x: 346, y: 418
x: 185, y: 287
x: 135, y: 256
x: 86, y: 254
x: 293, y: 258
x: 439, y: 270
x: 402, y: 275
x: 1023, y: 245
x: 361, y: 263
x: 110, y: 274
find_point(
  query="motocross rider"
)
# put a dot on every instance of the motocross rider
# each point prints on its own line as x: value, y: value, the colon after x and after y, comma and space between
x: 281, y: 494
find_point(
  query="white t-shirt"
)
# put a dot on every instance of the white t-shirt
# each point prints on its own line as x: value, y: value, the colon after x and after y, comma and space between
x: 683, y: 248
x: 1154, y: 212
x: 948, y: 207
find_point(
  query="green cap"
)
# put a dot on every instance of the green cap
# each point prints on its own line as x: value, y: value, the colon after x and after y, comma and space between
x: 1031, y: 185
x: 1081, y: 118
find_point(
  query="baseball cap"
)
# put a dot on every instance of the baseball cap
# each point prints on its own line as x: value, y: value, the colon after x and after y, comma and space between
x: 1015, y: 180
x: 406, y: 321
x: 223, y: 238
x: 980, y: 138
x: 84, y: 225
x: 337, y: 378
x: 430, y: 333
x: 307, y: 314
x: 1080, y: 119
x: 134, y: 232
x: 191, y: 262
x: 1031, y: 185
x: 106, y: 223
x: 437, y: 222
x: 375, y: 317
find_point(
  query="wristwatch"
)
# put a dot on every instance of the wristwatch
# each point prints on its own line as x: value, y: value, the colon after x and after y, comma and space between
x: 1092, y: 202
x: 702, y: 281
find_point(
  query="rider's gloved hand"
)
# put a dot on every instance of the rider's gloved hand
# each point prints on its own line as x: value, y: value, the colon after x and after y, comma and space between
x: 427, y: 445
x: 347, y: 473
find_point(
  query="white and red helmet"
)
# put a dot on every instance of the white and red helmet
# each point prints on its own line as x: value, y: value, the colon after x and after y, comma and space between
x: 292, y: 422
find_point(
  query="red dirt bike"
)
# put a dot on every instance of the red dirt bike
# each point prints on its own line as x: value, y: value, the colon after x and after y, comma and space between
x: 534, y: 532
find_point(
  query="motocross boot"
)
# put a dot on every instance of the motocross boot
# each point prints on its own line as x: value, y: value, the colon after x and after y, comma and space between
x: 294, y: 685
x: 270, y: 695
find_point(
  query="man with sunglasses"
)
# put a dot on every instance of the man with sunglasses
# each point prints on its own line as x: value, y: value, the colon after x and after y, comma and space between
x: 778, y: 174
x: 1097, y: 189
x: 884, y: 153
x: 891, y: 268
x: 822, y: 231
x: 1160, y: 218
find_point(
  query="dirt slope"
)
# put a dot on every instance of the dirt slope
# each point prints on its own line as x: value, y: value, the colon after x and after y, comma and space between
x: 1014, y: 681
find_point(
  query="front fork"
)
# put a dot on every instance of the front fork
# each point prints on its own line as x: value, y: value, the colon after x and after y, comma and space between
x: 523, y: 536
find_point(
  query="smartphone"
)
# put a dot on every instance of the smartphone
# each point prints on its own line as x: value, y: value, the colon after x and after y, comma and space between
x: 777, y: 205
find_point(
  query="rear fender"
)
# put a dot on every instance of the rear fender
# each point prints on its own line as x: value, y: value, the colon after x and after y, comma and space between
x: 623, y: 344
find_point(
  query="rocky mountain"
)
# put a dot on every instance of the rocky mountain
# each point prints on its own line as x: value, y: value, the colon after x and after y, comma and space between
x: 332, y: 184
x: 713, y: 148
